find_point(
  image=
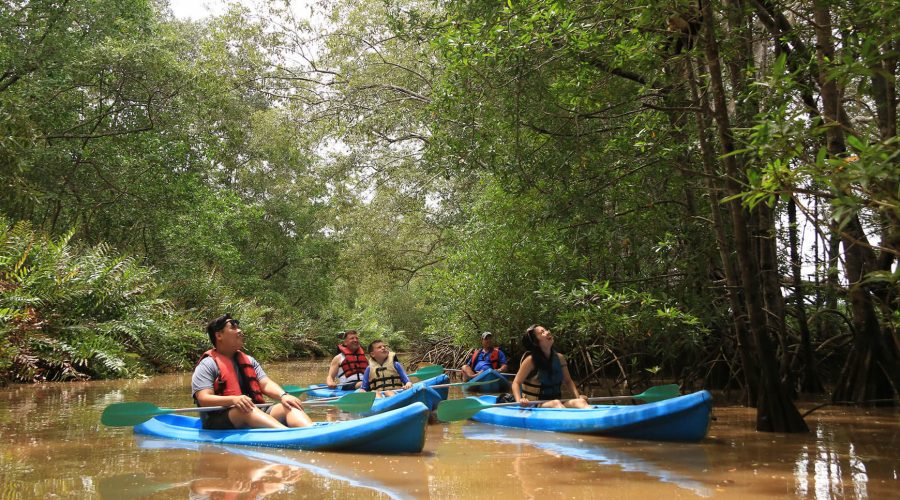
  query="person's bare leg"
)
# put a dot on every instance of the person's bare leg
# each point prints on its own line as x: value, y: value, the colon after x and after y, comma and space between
x: 467, y: 373
x: 553, y: 404
x: 577, y: 403
x: 255, y: 419
x: 291, y: 416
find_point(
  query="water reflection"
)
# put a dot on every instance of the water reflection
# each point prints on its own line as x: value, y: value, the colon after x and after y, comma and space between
x: 688, y: 458
x: 52, y: 445
x: 821, y: 469
x: 241, y: 472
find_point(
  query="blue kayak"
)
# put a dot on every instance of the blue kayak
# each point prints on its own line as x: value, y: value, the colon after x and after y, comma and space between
x: 685, y: 418
x: 500, y: 384
x: 420, y: 392
x: 398, y: 431
x: 323, y: 391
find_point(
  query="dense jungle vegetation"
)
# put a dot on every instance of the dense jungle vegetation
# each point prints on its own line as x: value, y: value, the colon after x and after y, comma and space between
x: 703, y: 191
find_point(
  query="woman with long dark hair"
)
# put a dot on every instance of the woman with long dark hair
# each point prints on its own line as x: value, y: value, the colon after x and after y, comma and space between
x: 543, y: 372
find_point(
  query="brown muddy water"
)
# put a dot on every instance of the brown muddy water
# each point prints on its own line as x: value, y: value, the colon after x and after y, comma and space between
x: 53, y: 446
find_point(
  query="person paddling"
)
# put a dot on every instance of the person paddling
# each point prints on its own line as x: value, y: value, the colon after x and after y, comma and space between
x: 347, y: 367
x: 384, y: 371
x: 226, y: 376
x: 485, y: 358
x: 543, y: 372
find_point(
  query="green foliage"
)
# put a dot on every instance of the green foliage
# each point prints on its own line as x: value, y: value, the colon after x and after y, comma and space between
x: 71, y: 313
x: 636, y: 326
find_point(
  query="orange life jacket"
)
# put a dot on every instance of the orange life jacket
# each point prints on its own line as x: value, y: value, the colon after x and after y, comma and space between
x: 231, y: 382
x: 494, y: 358
x: 352, y: 363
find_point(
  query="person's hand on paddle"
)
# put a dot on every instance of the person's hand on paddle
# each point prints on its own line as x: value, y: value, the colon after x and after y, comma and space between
x: 331, y: 385
x: 290, y: 401
x: 523, y: 401
x: 243, y: 403
x: 407, y: 385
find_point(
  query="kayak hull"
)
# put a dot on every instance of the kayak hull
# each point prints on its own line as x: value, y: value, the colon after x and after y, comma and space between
x: 685, y: 418
x: 398, y: 431
x: 499, y: 382
x: 323, y: 391
x: 421, y: 392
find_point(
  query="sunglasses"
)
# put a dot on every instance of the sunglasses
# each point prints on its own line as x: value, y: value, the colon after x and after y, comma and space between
x: 226, y: 322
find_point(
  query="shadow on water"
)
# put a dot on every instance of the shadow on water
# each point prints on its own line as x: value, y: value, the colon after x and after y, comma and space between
x: 247, y: 472
x: 688, y: 459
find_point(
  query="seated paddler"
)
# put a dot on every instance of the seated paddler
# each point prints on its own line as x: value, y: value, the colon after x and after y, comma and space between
x: 543, y: 373
x: 347, y: 367
x: 384, y: 372
x: 489, y: 356
x: 227, y: 376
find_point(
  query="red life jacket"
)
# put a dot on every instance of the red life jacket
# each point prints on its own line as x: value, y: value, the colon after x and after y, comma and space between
x: 354, y: 363
x: 494, y: 359
x: 229, y: 381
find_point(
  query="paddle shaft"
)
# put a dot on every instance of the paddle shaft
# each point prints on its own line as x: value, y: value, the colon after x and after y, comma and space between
x: 205, y: 409
x: 504, y: 374
x: 482, y: 382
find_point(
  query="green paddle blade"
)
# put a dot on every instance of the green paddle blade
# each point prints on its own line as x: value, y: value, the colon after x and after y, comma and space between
x: 427, y: 372
x: 355, y: 402
x: 659, y: 393
x: 459, y: 409
x: 129, y: 414
x: 293, y: 389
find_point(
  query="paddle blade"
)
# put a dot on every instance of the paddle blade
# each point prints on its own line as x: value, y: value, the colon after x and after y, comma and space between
x: 355, y: 402
x: 459, y: 409
x: 293, y: 389
x: 427, y: 372
x: 129, y: 414
x: 659, y: 393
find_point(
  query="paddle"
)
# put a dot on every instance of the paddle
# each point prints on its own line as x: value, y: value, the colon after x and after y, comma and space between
x: 134, y: 413
x: 464, y: 384
x: 427, y: 372
x: 294, y: 389
x: 355, y: 402
x: 461, y: 409
x: 504, y: 374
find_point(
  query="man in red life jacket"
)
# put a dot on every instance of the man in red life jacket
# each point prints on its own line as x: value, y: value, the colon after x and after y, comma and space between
x: 347, y: 368
x: 226, y: 376
x: 486, y: 357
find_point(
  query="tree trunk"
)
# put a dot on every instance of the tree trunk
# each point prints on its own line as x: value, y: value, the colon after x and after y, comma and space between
x: 775, y: 411
x: 872, y: 370
x: 809, y: 381
x: 745, y: 348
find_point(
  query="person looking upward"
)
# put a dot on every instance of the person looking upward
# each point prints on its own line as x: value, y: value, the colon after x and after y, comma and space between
x: 543, y: 372
x: 384, y: 372
x: 226, y: 376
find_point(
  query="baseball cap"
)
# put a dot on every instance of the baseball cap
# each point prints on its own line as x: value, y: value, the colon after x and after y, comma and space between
x: 486, y: 335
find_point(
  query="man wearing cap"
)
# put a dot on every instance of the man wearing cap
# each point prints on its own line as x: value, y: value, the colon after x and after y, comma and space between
x: 226, y: 376
x: 485, y: 358
x: 347, y: 368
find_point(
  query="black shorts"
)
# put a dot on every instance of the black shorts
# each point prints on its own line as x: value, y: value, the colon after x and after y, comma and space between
x: 219, y: 421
